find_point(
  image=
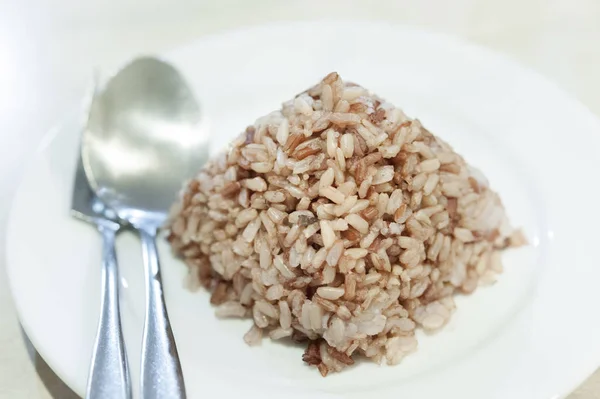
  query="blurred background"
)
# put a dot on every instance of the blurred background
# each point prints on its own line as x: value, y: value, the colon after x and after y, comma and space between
x: 48, y: 49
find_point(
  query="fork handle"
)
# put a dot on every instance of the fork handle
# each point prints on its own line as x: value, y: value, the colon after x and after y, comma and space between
x: 161, y: 375
x: 109, y: 374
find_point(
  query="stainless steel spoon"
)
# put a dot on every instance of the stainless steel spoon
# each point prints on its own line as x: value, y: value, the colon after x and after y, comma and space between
x: 143, y: 140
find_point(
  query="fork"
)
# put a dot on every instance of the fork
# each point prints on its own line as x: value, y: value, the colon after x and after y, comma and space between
x: 109, y: 373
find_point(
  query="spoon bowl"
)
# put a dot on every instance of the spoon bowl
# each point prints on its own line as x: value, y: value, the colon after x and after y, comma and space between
x: 143, y: 139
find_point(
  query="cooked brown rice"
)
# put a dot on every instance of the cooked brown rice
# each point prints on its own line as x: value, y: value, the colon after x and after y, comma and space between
x: 341, y: 222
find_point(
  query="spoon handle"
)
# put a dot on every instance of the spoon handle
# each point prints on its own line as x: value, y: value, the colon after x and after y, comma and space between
x: 109, y: 374
x: 161, y: 375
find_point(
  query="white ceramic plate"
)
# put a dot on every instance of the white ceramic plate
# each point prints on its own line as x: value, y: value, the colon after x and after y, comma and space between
x: 535, y: 334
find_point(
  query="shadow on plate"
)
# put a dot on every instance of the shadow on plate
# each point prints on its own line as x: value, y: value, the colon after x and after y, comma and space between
x: 55, y: 386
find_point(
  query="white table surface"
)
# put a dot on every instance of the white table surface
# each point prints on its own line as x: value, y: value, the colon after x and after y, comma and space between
x: 48, y: 49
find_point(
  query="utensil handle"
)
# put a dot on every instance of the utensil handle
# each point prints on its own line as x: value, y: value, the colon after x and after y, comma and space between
x: 109, y: 374
x: 161, y: 375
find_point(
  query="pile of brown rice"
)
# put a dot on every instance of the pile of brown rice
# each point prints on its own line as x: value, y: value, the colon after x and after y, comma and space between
x: 341, y: 222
